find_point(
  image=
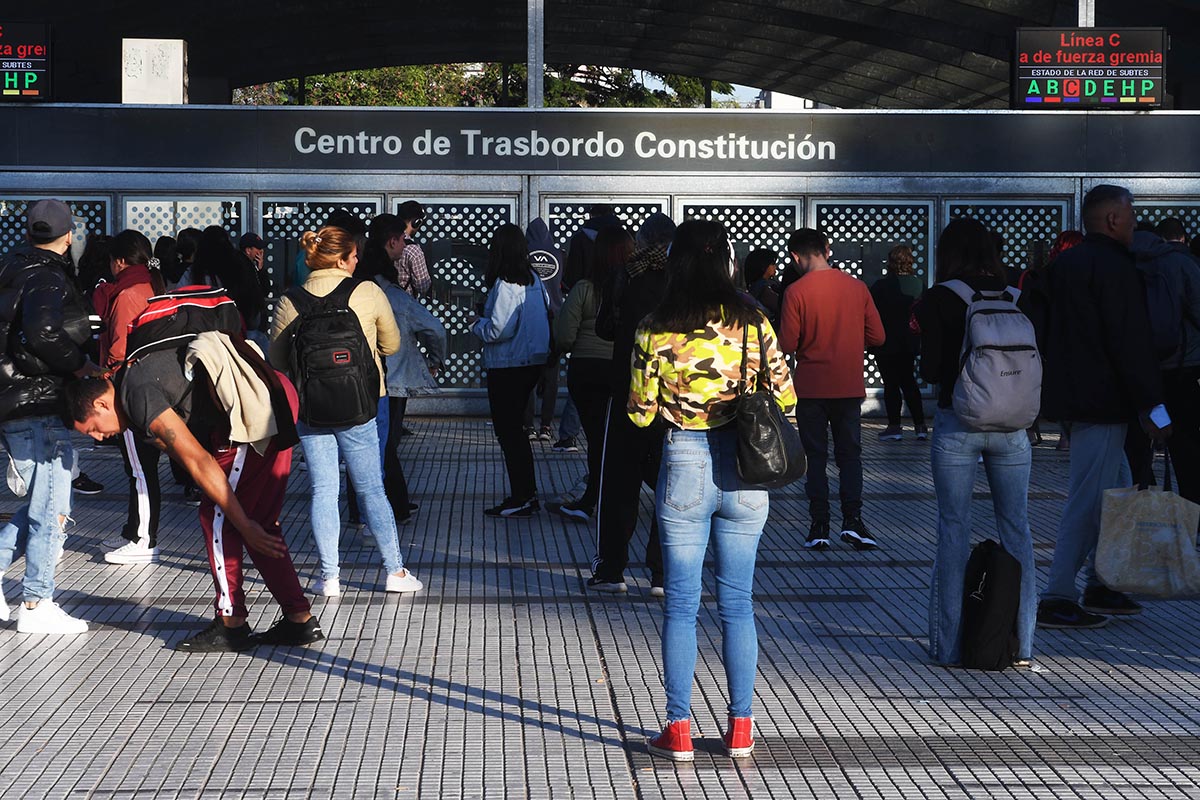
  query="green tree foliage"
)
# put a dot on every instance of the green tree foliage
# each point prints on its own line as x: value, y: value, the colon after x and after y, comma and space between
x: 486, y: 85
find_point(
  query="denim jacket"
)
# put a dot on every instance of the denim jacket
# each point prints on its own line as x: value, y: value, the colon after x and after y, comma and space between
x: 515, y: 326
x: 407, y: 369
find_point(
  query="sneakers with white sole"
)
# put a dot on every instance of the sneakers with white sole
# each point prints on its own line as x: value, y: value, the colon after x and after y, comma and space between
x: 114, y: 541
x: 139, y: 552
x: 326, y: 587
x: 403, y: 581
x: 48, y: 617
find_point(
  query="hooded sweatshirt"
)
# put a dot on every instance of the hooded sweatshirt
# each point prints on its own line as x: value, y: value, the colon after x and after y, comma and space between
x: 1175, y: 264
x: 547, y: 261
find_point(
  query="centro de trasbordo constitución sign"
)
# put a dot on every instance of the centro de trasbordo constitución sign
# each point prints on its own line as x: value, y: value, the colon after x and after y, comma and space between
x: 43, y: 138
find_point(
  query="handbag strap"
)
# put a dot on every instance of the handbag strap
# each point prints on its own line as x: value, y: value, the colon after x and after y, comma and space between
x: 1167, y: 469
x: 764, y: 369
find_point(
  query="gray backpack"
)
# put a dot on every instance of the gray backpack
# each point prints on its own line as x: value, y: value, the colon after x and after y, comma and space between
x: 1000, y: 385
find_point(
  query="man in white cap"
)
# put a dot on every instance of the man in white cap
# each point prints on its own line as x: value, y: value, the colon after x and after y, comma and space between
x: 44, y: 325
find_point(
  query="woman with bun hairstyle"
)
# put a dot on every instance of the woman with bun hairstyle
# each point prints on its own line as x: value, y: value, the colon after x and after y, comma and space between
x: 331, y: 256
x: 119, y: 302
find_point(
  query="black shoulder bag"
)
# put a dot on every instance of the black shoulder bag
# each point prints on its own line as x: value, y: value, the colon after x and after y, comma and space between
x: 769, y: 451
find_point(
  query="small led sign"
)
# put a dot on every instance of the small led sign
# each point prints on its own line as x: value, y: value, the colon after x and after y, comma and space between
x: 24, y: 62
x: 1089, y: 68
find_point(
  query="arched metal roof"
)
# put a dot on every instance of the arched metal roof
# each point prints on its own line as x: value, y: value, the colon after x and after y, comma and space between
x: 849, y: 53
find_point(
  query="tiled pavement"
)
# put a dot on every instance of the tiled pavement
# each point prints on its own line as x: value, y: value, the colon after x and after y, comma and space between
x: 506, y: 678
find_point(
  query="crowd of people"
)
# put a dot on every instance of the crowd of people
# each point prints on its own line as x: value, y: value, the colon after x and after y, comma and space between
x: 662, y: 328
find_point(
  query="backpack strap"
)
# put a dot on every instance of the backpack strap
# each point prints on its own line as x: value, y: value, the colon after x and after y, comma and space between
x: 340, y: 297
x: 960, y: 288
x: 968, y: 295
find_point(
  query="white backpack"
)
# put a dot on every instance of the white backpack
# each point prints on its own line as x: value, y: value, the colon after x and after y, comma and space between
x: 1000, y: 385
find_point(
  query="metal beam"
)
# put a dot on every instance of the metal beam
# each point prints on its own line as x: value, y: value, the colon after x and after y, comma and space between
x: 536, y: 61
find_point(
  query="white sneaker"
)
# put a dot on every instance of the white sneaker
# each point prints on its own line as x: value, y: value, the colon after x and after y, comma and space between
x: 327, y: 587
x: 403, y: 581
x: 48, y: 617
x: 139, y: 552
x: 114, y: 541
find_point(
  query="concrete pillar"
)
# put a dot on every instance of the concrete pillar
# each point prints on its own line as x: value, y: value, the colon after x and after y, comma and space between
x: 536, y: 61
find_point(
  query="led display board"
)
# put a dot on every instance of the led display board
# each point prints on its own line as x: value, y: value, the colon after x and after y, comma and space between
x: 1110, y: 68
x: 24, y: 62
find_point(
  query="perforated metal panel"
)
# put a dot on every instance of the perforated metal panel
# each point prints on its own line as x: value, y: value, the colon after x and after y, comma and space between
x: 1021, y: 223
x: 750, y: 226
x: 166, y: 216
x: 285, y: 220
x: 92, y: 214
x: 1155, y: 211
x: 861, y: 232
x: 454, y: 238
x: 567, y: 216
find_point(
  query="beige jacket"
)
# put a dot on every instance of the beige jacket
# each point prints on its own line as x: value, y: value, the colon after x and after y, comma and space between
x: 367, y: 301
x: 241, y: 392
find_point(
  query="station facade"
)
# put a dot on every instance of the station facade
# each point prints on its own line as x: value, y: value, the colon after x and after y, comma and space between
x: 871, y: 180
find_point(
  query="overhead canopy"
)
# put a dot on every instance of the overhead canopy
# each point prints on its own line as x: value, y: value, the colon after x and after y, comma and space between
x: 847, y: 53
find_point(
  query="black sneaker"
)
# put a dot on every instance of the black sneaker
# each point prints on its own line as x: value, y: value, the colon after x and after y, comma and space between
x: 85, y: 485
x: 1103, y: 600
x: 607, y: 585
x: 286, y: 633
x: 576, y: 511
x: 855, y: 534
x: 566, y: 445
x: 818, y: 536
x: 1065, y: 614
x: 217, y: 638
x: 192, y: 495
x: 514, y: 508
x: 922, y: 433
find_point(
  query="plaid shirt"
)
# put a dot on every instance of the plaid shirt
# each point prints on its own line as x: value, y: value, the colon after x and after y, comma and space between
x: 413, y: 274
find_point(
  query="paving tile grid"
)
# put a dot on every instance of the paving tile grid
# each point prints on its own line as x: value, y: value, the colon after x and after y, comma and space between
x: 506, y: 678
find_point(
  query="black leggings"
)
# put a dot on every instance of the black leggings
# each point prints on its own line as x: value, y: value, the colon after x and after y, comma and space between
x: 508, y: 390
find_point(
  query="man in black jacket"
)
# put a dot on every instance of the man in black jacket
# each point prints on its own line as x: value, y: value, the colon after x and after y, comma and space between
x: 1100, y: 373
x: 631, y: 454
x: 44, y: 325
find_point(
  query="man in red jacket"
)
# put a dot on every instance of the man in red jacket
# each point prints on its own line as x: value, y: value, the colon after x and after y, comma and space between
x: 828, y: 321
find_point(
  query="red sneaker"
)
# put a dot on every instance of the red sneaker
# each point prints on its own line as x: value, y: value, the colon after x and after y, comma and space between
x: 739, y: 741
x: 675, y: 742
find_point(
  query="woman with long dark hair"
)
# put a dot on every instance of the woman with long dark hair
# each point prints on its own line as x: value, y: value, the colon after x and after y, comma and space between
x: 515, y: 330
x: 687, y: 363
x: 589, y: 371
x: 218, y: 263
x: 965, y: 252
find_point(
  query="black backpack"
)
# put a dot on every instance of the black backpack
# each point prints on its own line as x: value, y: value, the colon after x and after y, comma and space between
x: 991, y: 597
x: 332, y: 364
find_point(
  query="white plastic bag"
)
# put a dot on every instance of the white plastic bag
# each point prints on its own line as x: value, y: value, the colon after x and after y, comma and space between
x: 1148, y: 542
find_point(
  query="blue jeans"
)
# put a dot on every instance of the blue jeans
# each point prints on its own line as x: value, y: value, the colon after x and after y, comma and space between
x: 359, y: 448
x: 1006, y: 459
x: 699, y: 494
x: 569, y: 425
x: 40, y: 449
x: 1097, y: 463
